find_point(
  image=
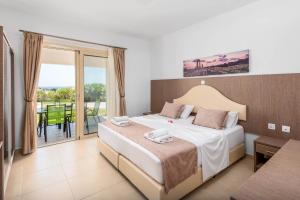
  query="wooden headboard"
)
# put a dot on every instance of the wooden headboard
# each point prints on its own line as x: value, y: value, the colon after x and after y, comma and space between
x: 208, y: 97
x: 269, y: 98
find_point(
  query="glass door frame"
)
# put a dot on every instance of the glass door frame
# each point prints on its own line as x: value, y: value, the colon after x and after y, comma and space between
x: 80, y: 52
x: 80, y: 85
x: 61, y: 47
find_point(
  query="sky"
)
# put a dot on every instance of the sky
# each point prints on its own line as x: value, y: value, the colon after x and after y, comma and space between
x: 53, y: 75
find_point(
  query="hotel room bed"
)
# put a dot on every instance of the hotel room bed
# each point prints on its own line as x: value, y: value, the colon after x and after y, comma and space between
x: 146, y: 160
x: 216, y: 149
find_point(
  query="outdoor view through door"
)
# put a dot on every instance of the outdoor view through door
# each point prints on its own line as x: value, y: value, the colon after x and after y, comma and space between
x: 95, y: 99
x: 56, y: 95
x: 71, y: 95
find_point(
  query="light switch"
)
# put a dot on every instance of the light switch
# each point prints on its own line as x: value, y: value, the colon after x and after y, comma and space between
x: 286, y: 129
x: 271, y: 126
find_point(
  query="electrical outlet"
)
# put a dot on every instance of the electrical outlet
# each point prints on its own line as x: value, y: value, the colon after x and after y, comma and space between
x: 271, y: 126
x: 202, y: 82
x: 286, y: 129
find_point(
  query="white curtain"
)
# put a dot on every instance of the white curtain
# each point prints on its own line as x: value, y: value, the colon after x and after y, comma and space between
x: 113, y: 96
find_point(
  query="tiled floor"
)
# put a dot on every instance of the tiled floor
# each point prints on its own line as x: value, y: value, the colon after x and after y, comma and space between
x: 75, y: 170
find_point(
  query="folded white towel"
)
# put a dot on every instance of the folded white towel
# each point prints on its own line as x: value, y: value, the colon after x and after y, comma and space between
x: 159, y: 136
x: 120, y: 119
x: 122, y: 123
x: 157, y: 133
x: 163, y: 139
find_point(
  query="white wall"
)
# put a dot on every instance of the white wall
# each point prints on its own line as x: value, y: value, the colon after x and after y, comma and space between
x: 137, y: 78
x: 269, y: 28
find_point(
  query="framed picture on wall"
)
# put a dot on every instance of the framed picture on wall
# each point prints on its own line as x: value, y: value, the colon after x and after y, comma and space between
x: 231, y: 63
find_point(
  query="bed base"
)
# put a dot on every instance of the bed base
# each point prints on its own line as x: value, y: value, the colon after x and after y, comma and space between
x: 148, y: 186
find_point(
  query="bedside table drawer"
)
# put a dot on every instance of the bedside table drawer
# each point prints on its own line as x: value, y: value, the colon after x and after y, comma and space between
x: 267, y: 150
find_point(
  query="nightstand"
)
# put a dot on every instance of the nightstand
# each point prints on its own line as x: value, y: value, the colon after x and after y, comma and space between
x: 148, y: 113
x: 264, y: 148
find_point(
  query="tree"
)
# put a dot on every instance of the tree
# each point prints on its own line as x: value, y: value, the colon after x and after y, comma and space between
x: 41, y: 95
x: 51, y: 95
x: 56, y: 94
x: 66, y: 94
x: 94, y: 92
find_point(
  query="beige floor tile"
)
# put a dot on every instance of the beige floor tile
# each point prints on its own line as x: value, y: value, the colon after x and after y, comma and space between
x: 211, y: 190
x: 42, y: 179
x: 16, y: 171
x: 71, y: 155
x: 44, y: 152
x: 34, y: 164
x: 94, y: 181
x: 77, y: 170
x: 225, y: 183
x: 13, y: 198
x: 64, y: 159
x: 60, y: 191
x: 79, y: 167
x: 123, y: 190
x: 14, y: 187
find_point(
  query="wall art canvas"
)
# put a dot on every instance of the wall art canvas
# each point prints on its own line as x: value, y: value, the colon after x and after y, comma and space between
x: 231, y: 63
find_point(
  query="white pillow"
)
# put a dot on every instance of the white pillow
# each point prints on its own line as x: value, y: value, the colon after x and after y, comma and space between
x: 231, y: 119
x: 186, y: 111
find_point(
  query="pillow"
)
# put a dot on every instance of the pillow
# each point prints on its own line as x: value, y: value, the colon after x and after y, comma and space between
x: 231, y: 119
x: 172, y: 110
x: 187, y: 110
x: 180, y: 111
x: 210, y: 118
x: 187, y: 121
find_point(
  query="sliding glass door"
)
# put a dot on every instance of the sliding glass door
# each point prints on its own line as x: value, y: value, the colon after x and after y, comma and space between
x: 93, y: 83
x: 72, y: 92
x: 94, y: 78
x: 56, y: 97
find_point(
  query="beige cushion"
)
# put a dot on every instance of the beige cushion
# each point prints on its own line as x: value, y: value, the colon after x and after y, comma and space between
x: 210, y: 118
x: 172, y: 110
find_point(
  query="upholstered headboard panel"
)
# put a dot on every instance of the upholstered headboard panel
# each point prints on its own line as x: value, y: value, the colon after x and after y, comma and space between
x: 208, y: 97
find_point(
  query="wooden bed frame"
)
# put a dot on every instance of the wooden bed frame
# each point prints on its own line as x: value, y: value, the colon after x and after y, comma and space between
x: 200, y: 96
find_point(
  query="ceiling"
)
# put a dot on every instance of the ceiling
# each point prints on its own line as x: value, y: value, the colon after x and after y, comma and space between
x: 144, y: 18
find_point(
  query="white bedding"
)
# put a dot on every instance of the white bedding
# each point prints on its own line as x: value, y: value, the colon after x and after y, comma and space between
x: 207, y: 140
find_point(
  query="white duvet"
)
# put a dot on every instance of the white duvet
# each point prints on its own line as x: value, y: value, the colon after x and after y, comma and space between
x: 212, y: 145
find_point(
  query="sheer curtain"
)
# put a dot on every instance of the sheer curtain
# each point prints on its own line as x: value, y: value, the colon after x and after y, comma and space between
x: 31, y: 61
x: 113, y: 96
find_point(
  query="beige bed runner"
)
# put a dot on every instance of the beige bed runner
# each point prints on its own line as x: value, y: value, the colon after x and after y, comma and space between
x: 178, y: 158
